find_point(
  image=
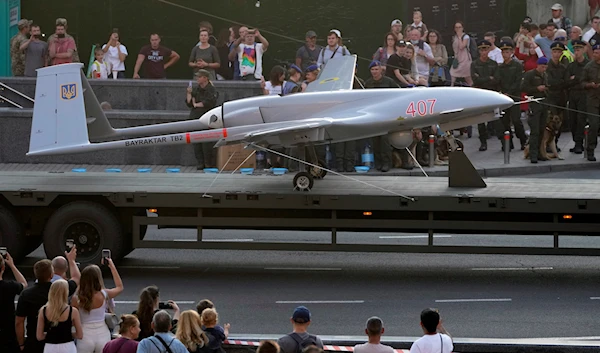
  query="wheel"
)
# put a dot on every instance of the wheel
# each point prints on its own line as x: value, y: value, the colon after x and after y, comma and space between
x: 11, y: 234
x: 317, y: 173
x: 303, y: 181
x: 92, y: 227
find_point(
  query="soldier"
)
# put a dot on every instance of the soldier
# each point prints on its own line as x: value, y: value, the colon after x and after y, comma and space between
x: 535, y: 84
x: 557, y: 79
x: 483, y: 73
x: 17, y: 56
x: 382, y: 149
x: 591, y: 82
x: 510, y: 76
x: 577, y: 96
x: 202, y: 99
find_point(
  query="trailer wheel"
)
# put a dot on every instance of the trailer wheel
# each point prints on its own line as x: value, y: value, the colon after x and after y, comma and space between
x: 11, y: 234
x: 92, y: 227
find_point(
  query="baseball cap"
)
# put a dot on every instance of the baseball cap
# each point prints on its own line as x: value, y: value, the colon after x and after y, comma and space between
x: 374, y: 63
x: 557, y: 6
x: 312, y: 68
x: 396, y: 22
x: 337, y: 33
x: 301, y: 315
x: 203, y: 72
x: 310, y: 34
x: 24, y: 23
x: 542, y: 61
x: 401, y: 43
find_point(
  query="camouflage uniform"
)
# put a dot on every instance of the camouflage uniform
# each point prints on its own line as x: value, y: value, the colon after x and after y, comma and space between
x: 17, y: 56
x: 591, y: 74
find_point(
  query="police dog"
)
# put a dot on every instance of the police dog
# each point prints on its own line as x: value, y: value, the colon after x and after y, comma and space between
x: 548, y: 139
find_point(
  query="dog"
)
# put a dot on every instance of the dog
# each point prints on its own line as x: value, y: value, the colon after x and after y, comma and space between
x: 446, y: 144
x: 548, y: 139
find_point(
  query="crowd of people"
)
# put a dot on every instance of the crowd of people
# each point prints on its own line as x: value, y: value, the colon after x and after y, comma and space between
x: 66, y: 310
x: 554, y: 60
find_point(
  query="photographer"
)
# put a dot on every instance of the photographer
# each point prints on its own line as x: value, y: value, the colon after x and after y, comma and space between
x: 148, y: 306
x: 8, y: 291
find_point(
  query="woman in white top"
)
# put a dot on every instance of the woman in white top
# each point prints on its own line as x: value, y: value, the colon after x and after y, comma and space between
x: 91, y: 300
x: 414, y: 73
x: 115, y: 54
x: 276, y: 81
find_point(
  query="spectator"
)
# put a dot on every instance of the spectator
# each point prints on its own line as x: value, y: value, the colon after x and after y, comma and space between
x: 129, y: 330
x: 546, y: 39
x: 592, y: 31
x: 334, y: 48
x: 8, y: 291
x: 439, y: 74
x: 224, y: 45
x: 293, y: 85
x: 61, y: 47
x: 250, y: 54
x: 61, y: 265
x: 268, y: 347
x: 396, y: 28
x: 414, y: 74
x: 36, y: 52
x: 559, y: 20
x: 189, y: 332
x: 205, y: 56
x: 202, y: 99
x: 417, y: 24
x: 398, y: 67
x: 101, y: 68
x: 162, y: 340
x: 204, y: 304
x: 276, y: 81
x: 529, y: 54
x: 206, y: 26
x: 495, y: 52
x: 432, y: 341
x: 234, y: 58
x: 17, y: 55
x: 310, y: 74
x: 374, y: 331
x: 299, y: 338
x: 148, y: 306
x: 313, y: 349
x: 308, y: 54
x: 216, y: 334
x: 63, y: 21
x: 115, y: 54
x: 388, y: 49
x: 91, y: 300
x: 30, y: 302
x: 461, y: 66
x: 153, y: 56
x: 57, y: 318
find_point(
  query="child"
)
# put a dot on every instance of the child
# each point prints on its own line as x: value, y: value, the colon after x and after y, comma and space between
x: 101, y: 68
x: 216, y: 334
x: 417, y: 24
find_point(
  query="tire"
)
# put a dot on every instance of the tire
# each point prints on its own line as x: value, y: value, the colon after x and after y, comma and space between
x: 317, y: 173
x: 303, y: 181
x: 92, y: 226
x: 11, y: 234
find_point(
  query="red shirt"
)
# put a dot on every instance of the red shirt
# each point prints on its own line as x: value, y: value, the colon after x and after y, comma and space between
x: 62, y: 45
x: 121, y: 345
x: 529, y: 61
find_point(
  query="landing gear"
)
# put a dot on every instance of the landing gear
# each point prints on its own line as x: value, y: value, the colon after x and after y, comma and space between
x: 317, y: 173
x: 303, y: 181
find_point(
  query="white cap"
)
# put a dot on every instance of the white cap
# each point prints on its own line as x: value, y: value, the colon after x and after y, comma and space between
x: 338, y: 33
x: 396, y: 22
x: 557, y: 6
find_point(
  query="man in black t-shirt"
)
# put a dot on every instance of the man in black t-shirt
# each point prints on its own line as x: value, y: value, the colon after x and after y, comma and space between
x: 8, y: 291
x: 156, y: 59
x: 397, y: 65
x: 30, y: 302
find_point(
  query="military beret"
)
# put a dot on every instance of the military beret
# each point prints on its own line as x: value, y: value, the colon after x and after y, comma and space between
x: 295, y: 67
x: 484, y: 44
x: 578, y: 44
x: 374, y: 63
x: 557, y: 46
x: 506, y: 45
x: 542, y: 61
x: 312, y: 68
x: 596, y: 46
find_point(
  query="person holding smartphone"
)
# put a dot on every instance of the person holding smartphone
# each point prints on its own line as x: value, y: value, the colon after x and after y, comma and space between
x: 149, y: 305
x: 9, y: 290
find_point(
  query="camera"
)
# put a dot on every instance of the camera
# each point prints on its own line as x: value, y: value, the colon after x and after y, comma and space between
x: 163, y: 306
x: 70, y: 243
x: 3, y: 251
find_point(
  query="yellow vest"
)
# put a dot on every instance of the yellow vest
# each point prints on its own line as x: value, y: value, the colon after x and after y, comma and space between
x: 567, y: 54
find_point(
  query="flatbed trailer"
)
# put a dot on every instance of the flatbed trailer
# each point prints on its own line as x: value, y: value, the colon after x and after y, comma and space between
x: 110, y: 210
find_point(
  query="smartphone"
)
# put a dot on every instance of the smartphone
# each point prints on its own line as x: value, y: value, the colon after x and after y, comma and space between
x: 3, y: 251
x: 106, y: 253
x: 163, y: 306
x: 190, y: 85
x: 70, y: 244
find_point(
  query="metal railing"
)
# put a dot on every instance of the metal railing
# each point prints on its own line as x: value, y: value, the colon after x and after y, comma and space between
x: 4, y: 87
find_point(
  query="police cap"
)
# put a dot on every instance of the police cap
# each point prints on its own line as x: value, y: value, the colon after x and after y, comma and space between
x: 557, y: 46
x: 578, y: 44
x: 506, y: 45
x: 484, y: 44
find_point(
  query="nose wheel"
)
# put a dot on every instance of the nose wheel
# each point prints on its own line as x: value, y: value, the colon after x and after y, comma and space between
x: 303, y: 181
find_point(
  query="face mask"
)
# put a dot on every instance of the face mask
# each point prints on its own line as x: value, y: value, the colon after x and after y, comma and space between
x: 414, y: 41
x: 60, y: 35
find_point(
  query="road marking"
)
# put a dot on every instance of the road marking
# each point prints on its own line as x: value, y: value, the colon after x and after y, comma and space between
x: 595, y: 298
x: 303, y: 268
x: 411, y: 236
x: 319, y: 302
x: 511, y: 268
x: 472, y: 300
x: 215, y: 240
x: 152, y: 267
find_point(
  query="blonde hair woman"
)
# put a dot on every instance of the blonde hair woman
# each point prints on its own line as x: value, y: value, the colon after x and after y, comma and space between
x: 189, y: 331
x: 414, y: 76
x: 56, y: 319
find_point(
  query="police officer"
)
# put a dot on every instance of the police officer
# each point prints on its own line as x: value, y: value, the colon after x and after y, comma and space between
x: 510, y: 77
x: 382, y: 150
x: 577, y: 95
x: 484, y: 72
x: 557, y: 80
x: 202, y: 99
x: 535, y: 84
x: 591, y: 83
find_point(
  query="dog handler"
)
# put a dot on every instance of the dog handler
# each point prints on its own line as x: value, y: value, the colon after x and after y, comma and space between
x: 577, y: 95
x: 591, y: 82
x: 535, y: 84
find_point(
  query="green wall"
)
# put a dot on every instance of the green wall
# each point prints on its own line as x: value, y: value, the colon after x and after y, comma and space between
x: 8, y: 28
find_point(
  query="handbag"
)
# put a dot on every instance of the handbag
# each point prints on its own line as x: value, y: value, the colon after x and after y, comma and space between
x: 110, y: 318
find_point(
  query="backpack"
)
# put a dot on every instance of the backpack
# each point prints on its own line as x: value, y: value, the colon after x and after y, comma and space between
x: 311, y: 340
x: 473, y: 51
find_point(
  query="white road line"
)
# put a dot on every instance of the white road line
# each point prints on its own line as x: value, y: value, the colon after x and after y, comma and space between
x: 411, y: 236
x: 303, y: 268
x: 472, y: 300
x: 214, y: 240
x: 595, y: 298
x: 319, y: 302
x: 151, y: 267
x: 511, y: 268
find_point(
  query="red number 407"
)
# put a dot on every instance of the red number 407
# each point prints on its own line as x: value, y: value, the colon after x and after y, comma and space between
x: 421, y: 107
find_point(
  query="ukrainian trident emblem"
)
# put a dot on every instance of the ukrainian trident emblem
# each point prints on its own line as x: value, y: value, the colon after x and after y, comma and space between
x: 68, y: 91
